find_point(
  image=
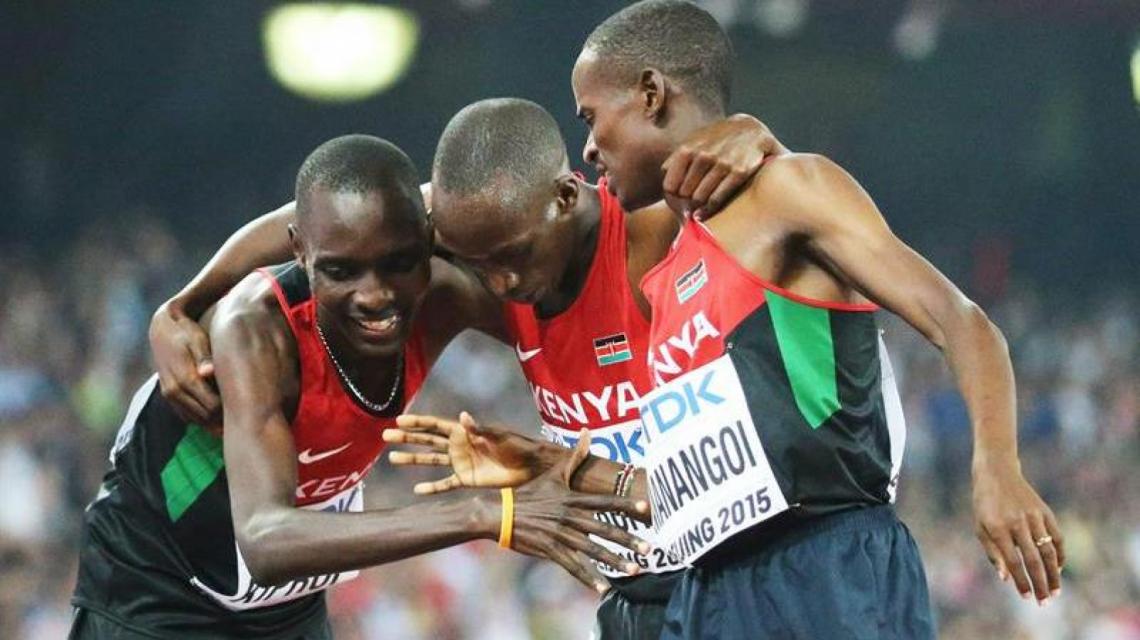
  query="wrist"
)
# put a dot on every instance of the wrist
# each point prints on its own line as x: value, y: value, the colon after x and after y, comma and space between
x: 484, y: 515
x: 988, y: 464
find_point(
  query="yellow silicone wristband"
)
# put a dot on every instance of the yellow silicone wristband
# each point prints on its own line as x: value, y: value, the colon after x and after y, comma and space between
x: 506, y: 528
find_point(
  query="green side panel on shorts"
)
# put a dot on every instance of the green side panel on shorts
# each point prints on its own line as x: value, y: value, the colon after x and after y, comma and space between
x: 196, y: 463
x: 803, y: 334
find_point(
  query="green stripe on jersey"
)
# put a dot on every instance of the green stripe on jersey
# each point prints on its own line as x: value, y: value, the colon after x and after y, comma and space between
x: 803, y: 334
x: 196, y: 462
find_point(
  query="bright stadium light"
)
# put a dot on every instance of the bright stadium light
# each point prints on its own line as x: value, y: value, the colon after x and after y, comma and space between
x: 1136, y: 73
x: 338, y: 52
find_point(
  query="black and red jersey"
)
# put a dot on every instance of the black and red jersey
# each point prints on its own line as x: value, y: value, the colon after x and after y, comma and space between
x: 807, y: 376
x: 159, y: 553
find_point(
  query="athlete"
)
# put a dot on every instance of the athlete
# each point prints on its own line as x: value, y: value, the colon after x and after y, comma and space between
x: 770, y: 456
x: 573, y: 314
x: 196, y: 536
x: 763, y: 340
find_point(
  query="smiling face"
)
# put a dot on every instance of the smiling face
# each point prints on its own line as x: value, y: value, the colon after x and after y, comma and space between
x: 626, y: 145
x: 368, y: 262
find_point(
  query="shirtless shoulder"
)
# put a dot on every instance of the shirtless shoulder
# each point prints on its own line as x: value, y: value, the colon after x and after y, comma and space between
x: 249, y: 323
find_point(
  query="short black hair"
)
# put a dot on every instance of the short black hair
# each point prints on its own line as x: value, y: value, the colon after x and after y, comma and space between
x: 678, y: 38
x: 502, y: 146
x: 360, y: 164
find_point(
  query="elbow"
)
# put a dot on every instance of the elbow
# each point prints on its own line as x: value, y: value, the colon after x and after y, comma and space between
x: 260, y: 542
x: 975, y: 326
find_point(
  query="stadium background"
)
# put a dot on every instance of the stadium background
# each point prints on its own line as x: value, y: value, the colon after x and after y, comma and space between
x: 1000, y: 137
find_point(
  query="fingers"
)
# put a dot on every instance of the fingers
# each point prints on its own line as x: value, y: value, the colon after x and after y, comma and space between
x: 675, y: 169
x: 583, y: 544
x: 439, y: 486
x: 467, y: 420
x: 587, y: 524
x: 196, y: 379
x: 594, y: 502
x: 1049, y: 556
x: 582, y: 569
x: 725, y: 190
x: 710, y: 182
x: 995, y: 556
x: 1054, y: 530
x: 699, y: 166
x: 1012, y: 560
x: 577, y: 457
x: 430, y: 424
x: 399, y: 436
x: 1031, y: 557
x: 404, y: 458
x: 185, y: 405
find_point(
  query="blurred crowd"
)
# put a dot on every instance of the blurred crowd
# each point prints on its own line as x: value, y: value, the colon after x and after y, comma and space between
x: 73, y: 346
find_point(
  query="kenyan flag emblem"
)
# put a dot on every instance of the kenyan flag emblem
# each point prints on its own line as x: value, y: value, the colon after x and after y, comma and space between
x: 691, y: 281
x: 612, y: 349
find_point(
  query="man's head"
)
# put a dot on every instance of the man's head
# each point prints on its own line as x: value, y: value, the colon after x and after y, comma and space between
x: 364, y: 239
x: 503, y: 196
x: 646, y: 78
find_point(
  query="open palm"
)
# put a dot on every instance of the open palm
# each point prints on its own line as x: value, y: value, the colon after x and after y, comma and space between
x: 478, y: 456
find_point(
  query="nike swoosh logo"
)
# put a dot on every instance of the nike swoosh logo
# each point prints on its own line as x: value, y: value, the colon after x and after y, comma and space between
x: 525, y: 355
x: 308, y: 457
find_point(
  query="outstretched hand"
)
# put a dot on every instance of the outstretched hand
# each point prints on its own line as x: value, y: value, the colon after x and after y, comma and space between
x: 479, y: 456
x: 554, y: 522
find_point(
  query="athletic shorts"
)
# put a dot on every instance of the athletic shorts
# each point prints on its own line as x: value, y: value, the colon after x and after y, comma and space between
x: 855, y: 575
x: 620, y: 618
x: 92, y: 625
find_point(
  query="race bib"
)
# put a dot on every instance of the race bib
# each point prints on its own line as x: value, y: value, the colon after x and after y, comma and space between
x: 709, y: 477
x: 621, y: 443
x: 250, y: 595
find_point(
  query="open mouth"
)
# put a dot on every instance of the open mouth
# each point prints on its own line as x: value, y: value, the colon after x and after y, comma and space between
x: 382, y: 326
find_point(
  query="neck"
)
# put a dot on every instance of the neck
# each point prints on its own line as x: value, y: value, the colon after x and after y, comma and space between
x: 587, y: 216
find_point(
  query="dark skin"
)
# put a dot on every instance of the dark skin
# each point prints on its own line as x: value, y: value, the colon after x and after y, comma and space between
x: 182, y: 350
x: 806, y: 225
x: 381, y: 264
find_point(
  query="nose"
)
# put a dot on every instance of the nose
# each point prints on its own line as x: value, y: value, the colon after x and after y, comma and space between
x: 373, y: 294
x: 590, y: 151
x: 501, y: 282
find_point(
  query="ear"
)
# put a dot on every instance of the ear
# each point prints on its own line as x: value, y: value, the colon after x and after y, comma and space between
x: 298, y: 245
x: 567, y: 188
x: 652, y: 88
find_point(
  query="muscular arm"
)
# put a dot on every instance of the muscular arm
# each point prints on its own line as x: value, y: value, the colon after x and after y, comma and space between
x: 256, y: 360
x: 847, y: 236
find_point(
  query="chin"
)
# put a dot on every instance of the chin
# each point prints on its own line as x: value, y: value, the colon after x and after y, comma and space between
x: 374, y: 349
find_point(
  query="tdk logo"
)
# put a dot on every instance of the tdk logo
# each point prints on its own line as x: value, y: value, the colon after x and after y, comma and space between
x: 671, y: 407
x: 618, y: 446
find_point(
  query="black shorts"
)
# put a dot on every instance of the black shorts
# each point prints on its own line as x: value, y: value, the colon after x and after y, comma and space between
x: 92, y: 625
x: 854, y: 575
x: 620, y: 618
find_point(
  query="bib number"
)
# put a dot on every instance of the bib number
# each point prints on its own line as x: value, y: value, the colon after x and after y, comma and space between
x: 709, y: 477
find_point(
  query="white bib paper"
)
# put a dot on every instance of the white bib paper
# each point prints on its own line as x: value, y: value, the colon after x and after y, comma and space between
x: 709, y: 477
